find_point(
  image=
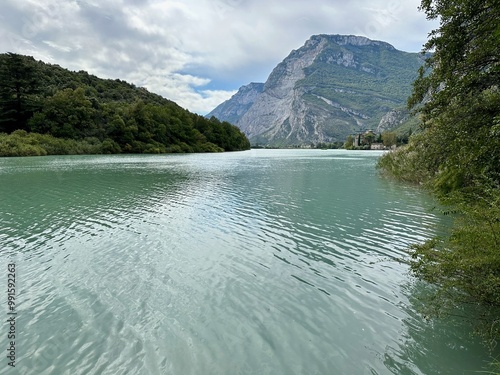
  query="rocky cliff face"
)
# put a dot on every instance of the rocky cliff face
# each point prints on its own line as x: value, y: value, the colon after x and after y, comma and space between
x: 232, y: 110
x: 393, y: 119
x: 331, y: 87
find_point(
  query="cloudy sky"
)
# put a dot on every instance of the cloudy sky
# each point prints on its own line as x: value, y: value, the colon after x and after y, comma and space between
x: 195, y: 52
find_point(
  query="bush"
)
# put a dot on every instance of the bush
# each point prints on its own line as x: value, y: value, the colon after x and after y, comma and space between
x: 110, y: 147
x: 466, y: 266
x: 22, y: 143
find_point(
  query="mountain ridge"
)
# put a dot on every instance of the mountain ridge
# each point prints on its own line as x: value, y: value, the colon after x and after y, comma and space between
x: 332, y: 86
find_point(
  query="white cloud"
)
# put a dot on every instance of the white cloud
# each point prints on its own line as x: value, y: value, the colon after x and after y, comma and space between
x: 57, y: 47
x: 183, y: 49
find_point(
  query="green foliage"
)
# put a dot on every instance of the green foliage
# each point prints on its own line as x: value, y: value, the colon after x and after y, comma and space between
x: 349, y: 143
x: 461, y: 96
x: 407, y: 163
x: 463, y: 87
x: 466, y: 266
x: 19, y: 84
x: 21, y: 143
x: 66, y: 114
x: 408, y: 127
x: 457, y: 155
x: 222, y: 134
x: 389, y: 139
x: 370, y: 138
x: 331, y: 145
x: 79, y: 106
x: 469, y: 259
x: 494, y: 368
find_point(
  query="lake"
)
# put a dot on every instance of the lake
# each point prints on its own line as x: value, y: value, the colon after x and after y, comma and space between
x: 256, y: 262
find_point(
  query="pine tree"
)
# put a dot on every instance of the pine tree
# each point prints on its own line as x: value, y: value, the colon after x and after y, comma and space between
x: 18, y: 88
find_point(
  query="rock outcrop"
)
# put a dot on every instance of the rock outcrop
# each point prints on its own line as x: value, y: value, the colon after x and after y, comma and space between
x: 393, y: 119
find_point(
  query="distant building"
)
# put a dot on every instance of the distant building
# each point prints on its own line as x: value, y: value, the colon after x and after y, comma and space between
x: 377, y: 146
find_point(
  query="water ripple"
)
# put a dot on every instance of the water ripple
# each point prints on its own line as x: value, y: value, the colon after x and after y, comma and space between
x: 268, y: 262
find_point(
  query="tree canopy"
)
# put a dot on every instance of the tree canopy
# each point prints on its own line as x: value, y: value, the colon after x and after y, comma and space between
x: 457, y: 155
x: 18, y: 88
x: 47, y: 99
x: 461, y: 94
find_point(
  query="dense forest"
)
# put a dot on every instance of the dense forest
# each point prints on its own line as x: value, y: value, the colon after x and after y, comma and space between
x: 457, y: 156
x: 45, y: 109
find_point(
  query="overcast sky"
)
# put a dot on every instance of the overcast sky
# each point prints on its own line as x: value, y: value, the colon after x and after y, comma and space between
x: 195, y: 52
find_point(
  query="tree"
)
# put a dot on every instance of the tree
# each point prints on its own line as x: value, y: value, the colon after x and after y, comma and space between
x: 369, y: 138
x: 48, y: 99
x: 67, y: 114
x: 19, y: 85
x: 457, y: 155
x: 389, y: 139
x: 461, y: 94
x: 459, y: 150
x: 349, y: 143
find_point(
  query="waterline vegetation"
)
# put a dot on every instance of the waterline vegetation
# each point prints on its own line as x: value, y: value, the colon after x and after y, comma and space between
x: 457, y: 156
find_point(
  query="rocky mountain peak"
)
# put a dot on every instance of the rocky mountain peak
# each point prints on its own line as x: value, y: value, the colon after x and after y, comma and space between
x: 291, y: 69
x: 347, y: 40
x: 330, y: 87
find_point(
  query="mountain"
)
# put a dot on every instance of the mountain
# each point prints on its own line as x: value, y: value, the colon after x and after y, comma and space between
x: 46, y: 109
x: 232, y: 110
x: 331, y: 87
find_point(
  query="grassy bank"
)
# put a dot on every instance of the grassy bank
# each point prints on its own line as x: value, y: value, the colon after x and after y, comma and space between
x: 22, y: 143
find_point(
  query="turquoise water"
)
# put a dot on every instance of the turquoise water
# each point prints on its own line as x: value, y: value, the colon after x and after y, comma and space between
x: 257, y: 262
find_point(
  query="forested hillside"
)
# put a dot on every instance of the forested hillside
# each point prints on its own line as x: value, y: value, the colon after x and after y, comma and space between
x: 80, y: 113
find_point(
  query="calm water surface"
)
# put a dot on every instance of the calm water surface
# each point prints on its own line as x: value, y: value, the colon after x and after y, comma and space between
x: 258, y: 262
